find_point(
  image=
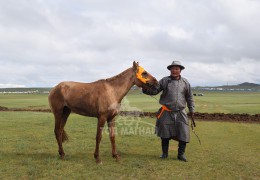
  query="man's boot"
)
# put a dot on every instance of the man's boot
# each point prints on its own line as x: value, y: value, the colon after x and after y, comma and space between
x: 181, y: 151
x: 165, y: 147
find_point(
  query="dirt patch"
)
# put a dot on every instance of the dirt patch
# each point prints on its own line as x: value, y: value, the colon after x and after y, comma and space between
x: 24, y: 109
x: 229, y: 117
x: 3, y: 108
x: 247, y: 118
x: 205, y: 116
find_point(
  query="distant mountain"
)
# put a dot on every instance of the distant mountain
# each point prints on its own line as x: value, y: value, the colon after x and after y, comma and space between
x: 248, y: 84
x: 245, y: 85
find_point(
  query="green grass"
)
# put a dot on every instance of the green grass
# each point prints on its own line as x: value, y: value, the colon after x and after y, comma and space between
x: 24, y: 100
x: 29, y: 151
x: 229, y: 102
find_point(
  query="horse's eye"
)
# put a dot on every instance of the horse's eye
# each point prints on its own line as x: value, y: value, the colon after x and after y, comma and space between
x: 145, y: 73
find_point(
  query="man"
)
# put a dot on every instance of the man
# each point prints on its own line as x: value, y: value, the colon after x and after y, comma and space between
x: 172, y: 120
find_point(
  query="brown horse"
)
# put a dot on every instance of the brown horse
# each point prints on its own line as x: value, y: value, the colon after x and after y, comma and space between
x: 99, y: 99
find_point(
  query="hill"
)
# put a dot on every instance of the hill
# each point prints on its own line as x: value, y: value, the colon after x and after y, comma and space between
x: 246, y: 86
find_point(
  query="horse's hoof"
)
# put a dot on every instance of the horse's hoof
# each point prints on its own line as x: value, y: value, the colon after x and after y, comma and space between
x: 62, y: 157
x: 99, y: 162
x: 117, y: 157
x: 62, y: 154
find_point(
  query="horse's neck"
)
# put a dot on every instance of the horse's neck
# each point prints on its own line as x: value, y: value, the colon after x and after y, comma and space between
x: 122, y: 83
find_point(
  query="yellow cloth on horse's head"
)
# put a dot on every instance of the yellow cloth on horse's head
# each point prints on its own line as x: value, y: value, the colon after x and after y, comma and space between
x: 139, y: 75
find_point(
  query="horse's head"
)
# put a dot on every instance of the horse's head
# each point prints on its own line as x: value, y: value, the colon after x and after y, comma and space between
x: 142, y: 77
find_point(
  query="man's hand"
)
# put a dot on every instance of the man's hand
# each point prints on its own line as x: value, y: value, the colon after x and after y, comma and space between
x: 191, y: 114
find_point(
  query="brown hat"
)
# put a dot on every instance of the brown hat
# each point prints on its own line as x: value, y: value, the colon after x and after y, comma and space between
x: 176, y: 63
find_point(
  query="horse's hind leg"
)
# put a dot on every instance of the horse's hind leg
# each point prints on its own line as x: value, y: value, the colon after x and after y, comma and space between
x: 60, y: 122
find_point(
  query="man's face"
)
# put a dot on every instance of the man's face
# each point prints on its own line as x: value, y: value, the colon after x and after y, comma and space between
x: 175, y: 71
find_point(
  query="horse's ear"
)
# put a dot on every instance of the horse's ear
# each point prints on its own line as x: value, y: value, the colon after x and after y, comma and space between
x: 135, y: 66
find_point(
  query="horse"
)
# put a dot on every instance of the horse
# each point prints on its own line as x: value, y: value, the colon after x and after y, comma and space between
x: 99, y: 99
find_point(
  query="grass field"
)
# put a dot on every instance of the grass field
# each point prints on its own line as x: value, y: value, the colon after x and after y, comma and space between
x: 229, y: 102
x: 24, y: 100
x: 28, y: 148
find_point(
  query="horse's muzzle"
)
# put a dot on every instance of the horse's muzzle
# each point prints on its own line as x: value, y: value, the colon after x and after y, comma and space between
x: 152, y: 83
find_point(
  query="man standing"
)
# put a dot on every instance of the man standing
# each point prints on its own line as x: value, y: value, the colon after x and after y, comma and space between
x: 172, y: 120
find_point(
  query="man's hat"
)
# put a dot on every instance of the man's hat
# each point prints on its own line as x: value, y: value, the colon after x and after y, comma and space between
x: 176, y: 63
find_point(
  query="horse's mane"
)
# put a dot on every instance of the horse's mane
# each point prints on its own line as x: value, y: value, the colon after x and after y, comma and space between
x: 117, y: 76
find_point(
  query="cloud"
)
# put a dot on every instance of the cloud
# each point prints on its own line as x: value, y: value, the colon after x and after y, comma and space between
x: 11, y: 86
x: 45, y: 42
x: 231, y: 72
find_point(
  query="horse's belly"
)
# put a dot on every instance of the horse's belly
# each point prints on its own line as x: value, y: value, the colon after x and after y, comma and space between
x: 83, y: 112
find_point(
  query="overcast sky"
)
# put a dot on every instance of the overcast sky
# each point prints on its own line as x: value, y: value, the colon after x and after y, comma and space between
x: 44, y: 42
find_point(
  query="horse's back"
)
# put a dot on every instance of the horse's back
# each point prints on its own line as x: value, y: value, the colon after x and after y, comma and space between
x: 66, y: 87
x: 81, y: 98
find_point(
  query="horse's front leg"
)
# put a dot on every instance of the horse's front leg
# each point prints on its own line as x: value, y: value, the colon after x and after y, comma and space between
x: 100, y: 126
x: 111, y: 126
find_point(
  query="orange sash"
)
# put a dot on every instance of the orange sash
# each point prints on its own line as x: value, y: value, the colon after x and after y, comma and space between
x: 164, y: 108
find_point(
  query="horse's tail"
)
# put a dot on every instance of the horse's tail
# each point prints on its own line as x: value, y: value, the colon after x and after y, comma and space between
x: 65, y: 136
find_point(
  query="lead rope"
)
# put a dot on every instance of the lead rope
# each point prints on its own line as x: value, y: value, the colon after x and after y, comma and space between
x: 154, y: 98
x: 193, y: 130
